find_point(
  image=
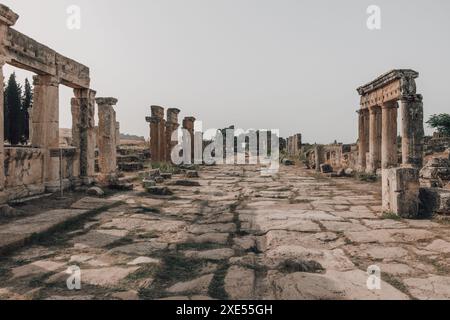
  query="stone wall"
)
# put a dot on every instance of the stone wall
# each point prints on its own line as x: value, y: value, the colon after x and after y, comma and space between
x: 24, y: 172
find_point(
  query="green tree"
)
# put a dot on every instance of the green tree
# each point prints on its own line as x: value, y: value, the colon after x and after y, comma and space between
x: 27, y: 104
x: 440, y: 122
x: 13, y: 109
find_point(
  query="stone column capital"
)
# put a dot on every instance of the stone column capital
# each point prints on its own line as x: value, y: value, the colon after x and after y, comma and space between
x: 374, y: 109
x: 106, y: 101
x: 412, y: 98
x: 45, y: 80
x: 390, y: 105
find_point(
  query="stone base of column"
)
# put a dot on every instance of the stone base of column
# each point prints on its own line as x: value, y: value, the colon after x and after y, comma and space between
x: 400, y: 191
x: 107, y: 180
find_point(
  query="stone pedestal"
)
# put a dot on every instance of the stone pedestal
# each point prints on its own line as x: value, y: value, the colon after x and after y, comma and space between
x: 189, y: 126
x: 389, y: 147
x: 83, y: 132
x: 363, y: 138
x: 374, y: 159
x: 413, y: 132
x: 107, y: 139
x: 172, y: 126
x: 46, y: 125
x: 401, y: 188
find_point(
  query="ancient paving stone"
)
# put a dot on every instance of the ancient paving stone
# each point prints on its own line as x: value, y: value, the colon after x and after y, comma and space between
x: 36, y: 268
x: 277, y: 238
x: 126, y: 295
x: 141, y: 248
x: 199, y: 285
x: 431, y: 288
x: 239, y: 283
x: 106, y: 277
x: 211, y: 228
x: 440, y: 246
x: 384, y: 224
x: 245, y: 243
x: 333, y: 285
x: 396, y: 269
x: 100, y: 238
x: 144, y: 260
x: 217, y: 254
x: 344, y: 226
x: 329, y: 259
x: 90, y: 203
x: 218, y: 238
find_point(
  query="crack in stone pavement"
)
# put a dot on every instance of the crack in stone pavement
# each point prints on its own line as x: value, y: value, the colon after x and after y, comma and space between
x: 238, y: 235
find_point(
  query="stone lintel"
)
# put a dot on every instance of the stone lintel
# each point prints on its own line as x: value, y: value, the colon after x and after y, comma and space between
x: 7, y: 16
x: 106, y: 101
x: 387, y: 78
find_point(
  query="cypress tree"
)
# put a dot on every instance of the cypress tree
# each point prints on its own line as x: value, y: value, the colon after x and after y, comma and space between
x: 27, y: 104
x: 13, y: 104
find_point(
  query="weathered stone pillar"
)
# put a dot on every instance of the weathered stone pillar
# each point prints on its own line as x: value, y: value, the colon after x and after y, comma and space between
x: 7, y: 19
x: 374, y: 160
x: 363, y: 138
x: 401, y: 190
x: 318, y: 153
x: 46, y: 125
x: 157, y: 134
x: 117, y: 133
x: 412, y: 131
x: 189, y: 125
x: 389, y: 149
x: 83, y: 132
x: 107, y: 139
x: 2, y: 137
x: 172, y: 125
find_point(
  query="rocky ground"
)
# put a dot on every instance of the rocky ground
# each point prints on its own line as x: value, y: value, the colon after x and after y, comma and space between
x: 238, y: 235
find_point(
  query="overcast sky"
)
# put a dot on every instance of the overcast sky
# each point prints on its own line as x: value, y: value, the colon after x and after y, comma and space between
x: 291, y: 65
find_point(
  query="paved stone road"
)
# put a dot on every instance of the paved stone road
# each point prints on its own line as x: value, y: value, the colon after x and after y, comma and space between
x: 239, y: 236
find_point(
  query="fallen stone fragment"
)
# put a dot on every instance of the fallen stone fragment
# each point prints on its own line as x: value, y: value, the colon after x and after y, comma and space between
x: 186, y: 183
x: 95, y: 192
x: 160, y: 191
x: 191, y: 174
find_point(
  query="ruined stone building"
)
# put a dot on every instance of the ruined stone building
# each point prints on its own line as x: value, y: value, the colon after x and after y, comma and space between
x: 36, y: 169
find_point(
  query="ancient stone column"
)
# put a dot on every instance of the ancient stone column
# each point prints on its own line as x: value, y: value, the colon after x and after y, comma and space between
x: 172, y: 125
x: 157, y: 134
x: 363, y: 138
x: 2, y: 137
x: 318, y: 152
x: 46, y: 125
x: 107, y: 139
x: 389, y: 156
x: 374, y: 160
x: 412, y: 131
x: 117, y: 133
x: 84, y: 132
x: 189, y: 125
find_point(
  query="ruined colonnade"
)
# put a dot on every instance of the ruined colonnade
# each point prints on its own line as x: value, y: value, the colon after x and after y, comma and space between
x: 161, y: 132
x: 43, y: 156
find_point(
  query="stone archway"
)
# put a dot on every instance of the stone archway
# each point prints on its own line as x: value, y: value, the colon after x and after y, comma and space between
x: 378, y: 146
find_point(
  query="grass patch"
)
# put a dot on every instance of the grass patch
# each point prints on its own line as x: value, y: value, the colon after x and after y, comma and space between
x: 391, y: 216
x: 366, y: 177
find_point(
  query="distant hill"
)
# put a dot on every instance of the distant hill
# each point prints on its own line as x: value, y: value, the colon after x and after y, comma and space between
x: 124, y: 136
